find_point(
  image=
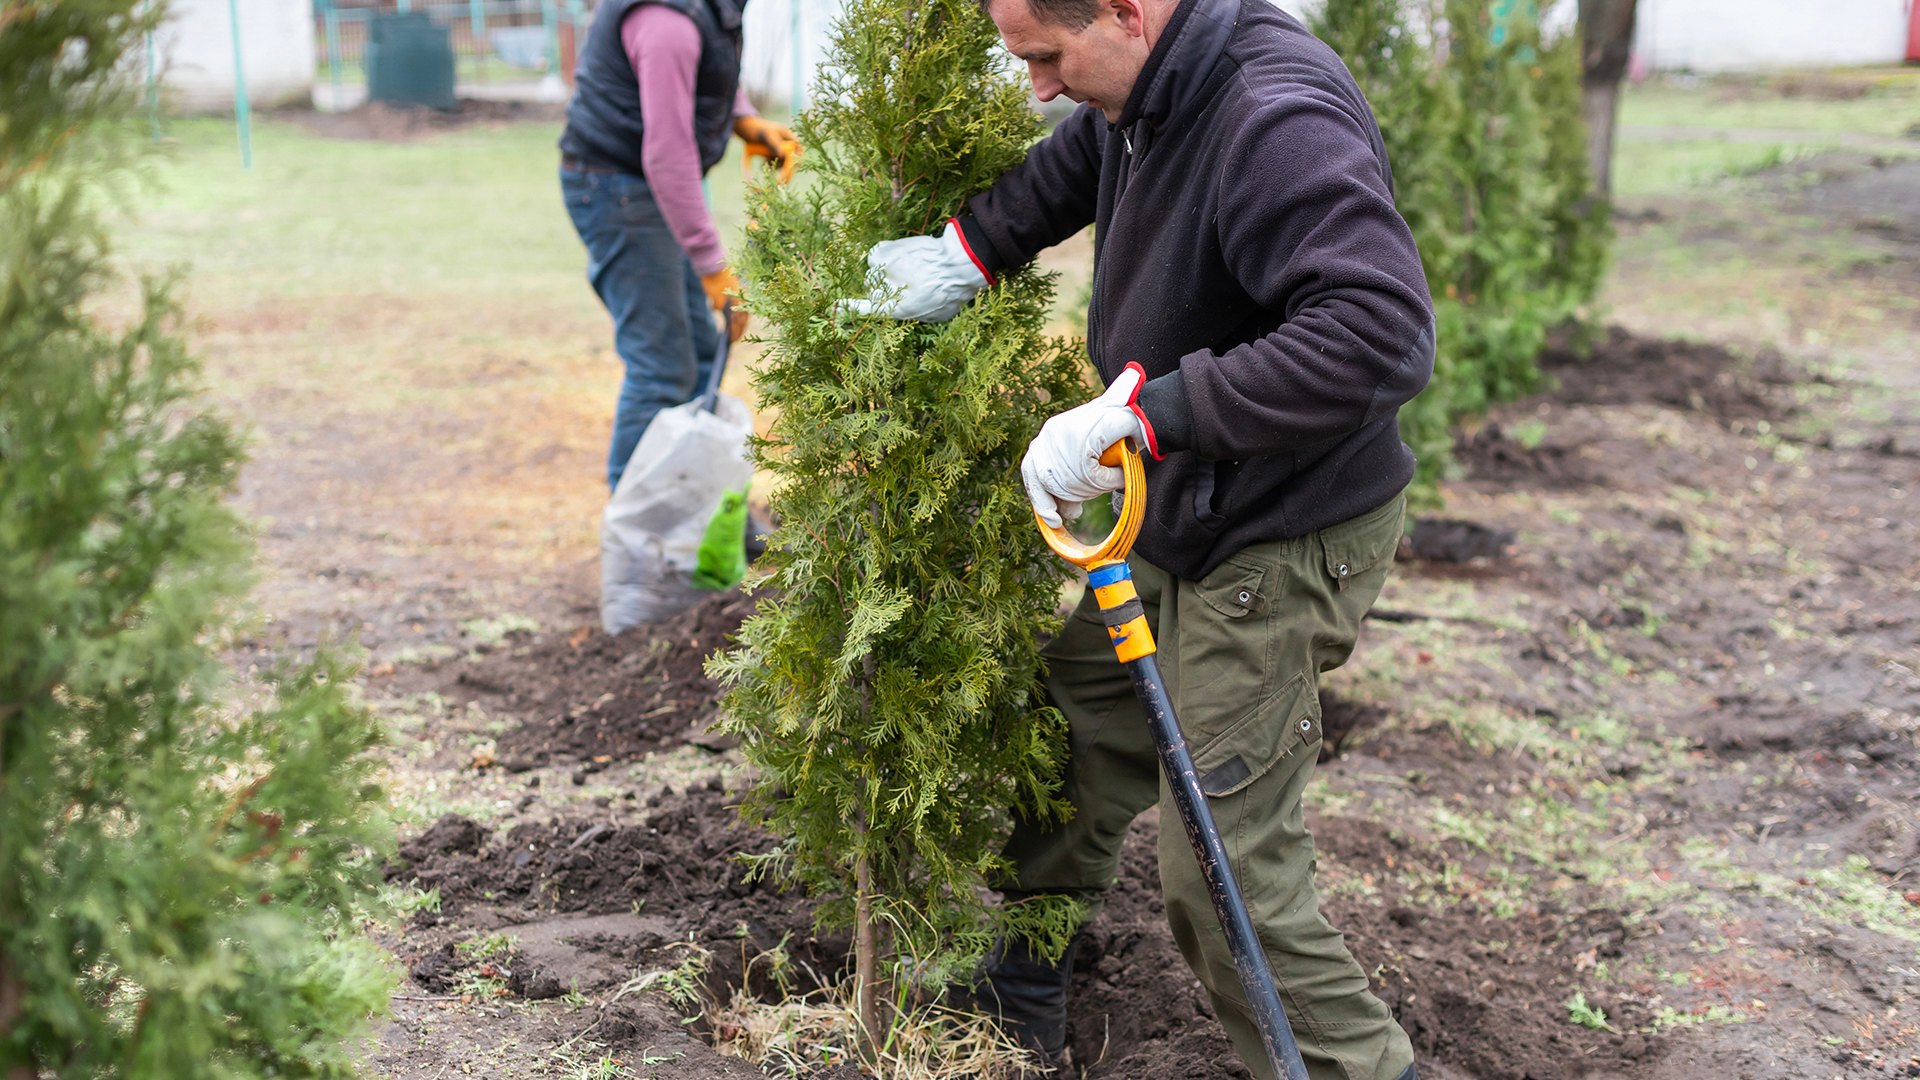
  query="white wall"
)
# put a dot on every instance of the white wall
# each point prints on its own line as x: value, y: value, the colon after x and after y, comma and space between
x: 1759, y: 35
x: 1700, y: 35
x: 767, y: 67
x: 195, y: 50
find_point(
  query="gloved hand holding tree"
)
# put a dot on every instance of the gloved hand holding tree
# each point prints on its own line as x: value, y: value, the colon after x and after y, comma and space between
x: 922, y: 278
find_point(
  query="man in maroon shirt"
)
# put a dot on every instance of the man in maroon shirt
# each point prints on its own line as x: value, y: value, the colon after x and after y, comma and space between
x: 656, y: 93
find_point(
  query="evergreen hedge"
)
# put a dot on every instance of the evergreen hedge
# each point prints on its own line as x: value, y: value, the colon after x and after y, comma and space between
x: 179, y: 867
x: 1482, y: 121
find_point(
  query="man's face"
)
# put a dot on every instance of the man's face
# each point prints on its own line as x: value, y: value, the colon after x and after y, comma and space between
x: 1095, y: 65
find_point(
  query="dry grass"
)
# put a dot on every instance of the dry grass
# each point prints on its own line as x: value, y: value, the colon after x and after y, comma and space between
x: 931, y: 1042
x: 796, y: 1033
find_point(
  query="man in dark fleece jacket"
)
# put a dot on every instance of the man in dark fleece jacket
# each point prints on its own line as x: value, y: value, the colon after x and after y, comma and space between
x: 1259, y: 314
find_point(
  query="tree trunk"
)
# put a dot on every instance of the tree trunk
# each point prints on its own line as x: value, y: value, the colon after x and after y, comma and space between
x: 11, y: 1005
x: 1606, y: 46
x: 1600, y: 106
x: 866, y: 956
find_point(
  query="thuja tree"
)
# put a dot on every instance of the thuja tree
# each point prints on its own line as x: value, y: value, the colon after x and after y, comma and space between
x: 1482, y: 121
x: 887, y: 689
x: 178, y: 870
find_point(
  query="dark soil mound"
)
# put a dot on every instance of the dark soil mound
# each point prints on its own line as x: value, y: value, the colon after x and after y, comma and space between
x: 1623, y: 369
x: 1620, y: 369
x: 681, y: 866
x: 1493, y: 456
x: 585, y: 695
x: 680, y: 859
x: 1341, y: 720
x: 1448, y: 540
x: 1486, y: 993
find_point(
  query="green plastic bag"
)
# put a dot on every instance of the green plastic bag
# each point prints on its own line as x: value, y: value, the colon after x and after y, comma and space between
x: 722, y: 560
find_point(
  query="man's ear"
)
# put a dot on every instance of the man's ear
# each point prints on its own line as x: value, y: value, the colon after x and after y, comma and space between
x: 1131, y: 15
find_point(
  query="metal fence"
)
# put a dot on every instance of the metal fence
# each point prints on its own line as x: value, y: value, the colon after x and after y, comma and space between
x: 493, y: 40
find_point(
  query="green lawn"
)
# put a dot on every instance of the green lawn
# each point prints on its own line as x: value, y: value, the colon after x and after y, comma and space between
x: 1681, y: 135
x: 474, y: 213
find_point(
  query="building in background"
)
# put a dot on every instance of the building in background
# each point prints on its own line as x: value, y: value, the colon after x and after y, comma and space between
x: 193, y: 54
x: 1769, y: 35
x: 1673, y: 35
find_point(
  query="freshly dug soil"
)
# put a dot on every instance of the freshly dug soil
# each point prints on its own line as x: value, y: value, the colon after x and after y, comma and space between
x: 1484, y: 994
x: 1137, y: 1013
x: 1624, y: 369
x: 581, y: 695
x: 1446, y: 540
x: 1776, y: 675
x: 1620, y: 369
x: 678, y: 868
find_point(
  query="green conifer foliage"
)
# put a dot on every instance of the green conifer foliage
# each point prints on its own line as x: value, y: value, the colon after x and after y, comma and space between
x: 178, y: 870
x: 887, y: 689
x: 1482, y: 122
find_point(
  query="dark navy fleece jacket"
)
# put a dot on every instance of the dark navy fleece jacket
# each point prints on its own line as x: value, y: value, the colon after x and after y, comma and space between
x: 1248, y: 255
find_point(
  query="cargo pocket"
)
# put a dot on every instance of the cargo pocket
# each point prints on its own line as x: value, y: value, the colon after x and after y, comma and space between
x: 1225, y: 644
x: 1278, y: 728
x: 1352, y: 548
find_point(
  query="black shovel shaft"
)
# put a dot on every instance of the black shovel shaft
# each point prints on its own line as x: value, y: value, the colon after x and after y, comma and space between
x: 1249, y: 959
x: 710, y: 395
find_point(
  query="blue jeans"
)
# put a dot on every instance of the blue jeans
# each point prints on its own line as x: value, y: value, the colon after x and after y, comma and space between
x: 663, y: 327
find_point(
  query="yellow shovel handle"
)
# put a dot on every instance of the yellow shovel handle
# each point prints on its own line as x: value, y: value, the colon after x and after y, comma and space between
x: 1133, y: 509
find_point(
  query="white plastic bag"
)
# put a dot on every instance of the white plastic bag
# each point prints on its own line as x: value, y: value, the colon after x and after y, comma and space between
x: 650, y: 532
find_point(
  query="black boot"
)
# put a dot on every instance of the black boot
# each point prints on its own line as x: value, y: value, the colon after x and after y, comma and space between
x: 1028, y: 995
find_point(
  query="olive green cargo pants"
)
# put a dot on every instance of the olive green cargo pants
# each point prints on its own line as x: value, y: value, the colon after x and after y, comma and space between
x: 1241, y: 651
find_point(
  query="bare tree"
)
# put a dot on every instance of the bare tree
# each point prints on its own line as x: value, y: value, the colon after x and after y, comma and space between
x: 1606, y: 36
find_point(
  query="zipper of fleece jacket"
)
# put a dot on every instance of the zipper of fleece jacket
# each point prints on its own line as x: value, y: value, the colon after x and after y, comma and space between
x: 1119, y: 194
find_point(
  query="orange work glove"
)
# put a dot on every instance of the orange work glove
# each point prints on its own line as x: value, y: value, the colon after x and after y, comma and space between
x: 723, y: 292
x: 769, y: 140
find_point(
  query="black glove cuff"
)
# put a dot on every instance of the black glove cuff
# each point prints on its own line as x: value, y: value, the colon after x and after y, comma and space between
x: 980, y: 247
x: 1163, y: 401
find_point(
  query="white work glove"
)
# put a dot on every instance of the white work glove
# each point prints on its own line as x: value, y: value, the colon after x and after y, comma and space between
x: 921, y: 278
x: 1062, y: 468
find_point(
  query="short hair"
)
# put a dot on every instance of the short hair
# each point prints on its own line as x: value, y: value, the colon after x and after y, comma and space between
x: 1072, y: 14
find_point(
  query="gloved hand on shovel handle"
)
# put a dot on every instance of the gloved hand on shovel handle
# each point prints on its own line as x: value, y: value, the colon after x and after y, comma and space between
x: 922, y: 278
x: 764, y: 138
x: 722, y: 286
x: 1062, y: 468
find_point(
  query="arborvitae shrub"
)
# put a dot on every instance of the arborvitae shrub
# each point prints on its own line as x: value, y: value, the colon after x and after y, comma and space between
x: 179, y: 868
x: 887, y: 689
x: 1488, y: 153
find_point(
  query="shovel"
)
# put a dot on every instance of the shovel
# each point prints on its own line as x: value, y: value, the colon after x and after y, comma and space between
x: 1126, y: 619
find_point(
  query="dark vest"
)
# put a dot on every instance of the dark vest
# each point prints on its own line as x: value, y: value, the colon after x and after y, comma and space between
x: 603, y: 119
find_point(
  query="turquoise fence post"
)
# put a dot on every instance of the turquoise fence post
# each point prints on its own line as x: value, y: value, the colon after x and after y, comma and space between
x: 242, y: 112
x: 550, y: 21
x: 797, y: 24
x: 333, y: 49
x: 153, y: 87
x: 477, y: 19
